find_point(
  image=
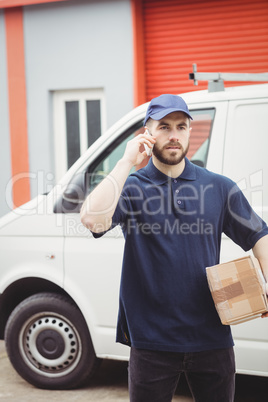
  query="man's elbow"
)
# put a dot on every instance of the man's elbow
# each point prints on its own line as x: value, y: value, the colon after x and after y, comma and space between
x: 87, y: 218
x: 88, y: 222
x: 94, y: 223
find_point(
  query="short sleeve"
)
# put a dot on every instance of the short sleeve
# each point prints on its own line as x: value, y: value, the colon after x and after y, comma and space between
x: 241, y: 223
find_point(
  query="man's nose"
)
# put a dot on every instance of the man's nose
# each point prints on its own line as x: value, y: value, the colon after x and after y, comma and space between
x: 173, y: 136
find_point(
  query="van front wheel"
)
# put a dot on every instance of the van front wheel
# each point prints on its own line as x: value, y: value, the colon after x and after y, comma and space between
x: 48, y: 342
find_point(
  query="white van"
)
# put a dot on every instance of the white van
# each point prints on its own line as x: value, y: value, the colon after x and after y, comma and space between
x: 59, y: 288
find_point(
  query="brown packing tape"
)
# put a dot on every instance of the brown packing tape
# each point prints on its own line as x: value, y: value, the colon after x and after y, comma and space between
x: 244, y: 265
x: 227, y: 292
x: 257, y: 303
x: 251, y: 260
x: 237, y: 301
x: 251, y: 286
x: 228, y: 281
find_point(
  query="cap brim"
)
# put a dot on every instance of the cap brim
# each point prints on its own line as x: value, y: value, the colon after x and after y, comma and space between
x: 163, y: 113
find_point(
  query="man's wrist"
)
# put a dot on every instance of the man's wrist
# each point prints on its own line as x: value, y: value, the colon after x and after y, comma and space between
x: 125, y: 163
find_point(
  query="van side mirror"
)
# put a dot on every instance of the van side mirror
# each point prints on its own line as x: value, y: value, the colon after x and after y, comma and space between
x: 75, y: 191
x: 73, y: 196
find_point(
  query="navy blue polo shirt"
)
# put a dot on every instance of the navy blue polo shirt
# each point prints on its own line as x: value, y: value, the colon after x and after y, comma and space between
x: 172, y: 230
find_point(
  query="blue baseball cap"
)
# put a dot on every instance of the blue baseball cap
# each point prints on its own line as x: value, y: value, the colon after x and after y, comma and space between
x: 163, y: 105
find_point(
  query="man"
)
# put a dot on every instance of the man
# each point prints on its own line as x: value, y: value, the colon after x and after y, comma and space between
x: 173, y: 214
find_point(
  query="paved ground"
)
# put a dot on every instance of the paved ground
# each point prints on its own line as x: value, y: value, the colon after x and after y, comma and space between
x: 109, y: 384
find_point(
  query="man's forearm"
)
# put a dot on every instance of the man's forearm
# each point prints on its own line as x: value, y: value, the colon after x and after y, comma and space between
x: 98, y: 208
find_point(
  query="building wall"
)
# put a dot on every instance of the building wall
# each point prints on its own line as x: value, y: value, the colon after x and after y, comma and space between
x: 5, y: 164
x: 73, y: 45
x: 82, y: 44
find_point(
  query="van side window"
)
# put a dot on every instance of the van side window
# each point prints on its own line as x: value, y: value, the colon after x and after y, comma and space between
x: 200, y: 135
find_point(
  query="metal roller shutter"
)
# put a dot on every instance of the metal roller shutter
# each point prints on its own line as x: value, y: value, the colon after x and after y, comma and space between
x: 225, y: 36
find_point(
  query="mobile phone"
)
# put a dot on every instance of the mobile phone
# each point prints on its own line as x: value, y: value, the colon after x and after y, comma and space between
x: 148, y: 149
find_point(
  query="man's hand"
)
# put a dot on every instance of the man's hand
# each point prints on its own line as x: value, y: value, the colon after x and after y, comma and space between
x: 133, y: 149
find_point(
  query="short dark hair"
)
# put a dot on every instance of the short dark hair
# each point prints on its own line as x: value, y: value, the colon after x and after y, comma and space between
x: 150, y: 120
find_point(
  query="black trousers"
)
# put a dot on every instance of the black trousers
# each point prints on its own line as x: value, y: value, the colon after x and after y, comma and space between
x: 153, y: 375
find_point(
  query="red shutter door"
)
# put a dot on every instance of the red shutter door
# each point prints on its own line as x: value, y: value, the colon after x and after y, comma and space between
x: 219, y: 36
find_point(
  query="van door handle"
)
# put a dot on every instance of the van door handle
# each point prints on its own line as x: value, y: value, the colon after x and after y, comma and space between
x: 50, y: 257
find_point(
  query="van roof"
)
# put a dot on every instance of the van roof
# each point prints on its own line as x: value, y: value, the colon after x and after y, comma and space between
x: 238, y: 92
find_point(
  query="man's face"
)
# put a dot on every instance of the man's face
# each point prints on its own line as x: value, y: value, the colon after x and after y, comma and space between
x: 172, y: 137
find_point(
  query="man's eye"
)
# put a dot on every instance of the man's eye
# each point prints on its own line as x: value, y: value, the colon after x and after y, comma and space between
x: 164, y: 128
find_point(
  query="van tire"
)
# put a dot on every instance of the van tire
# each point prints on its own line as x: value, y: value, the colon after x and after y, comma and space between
x: 48, y: 342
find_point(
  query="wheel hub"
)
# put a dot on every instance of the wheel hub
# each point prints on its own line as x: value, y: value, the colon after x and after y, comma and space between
x: 50, y: 344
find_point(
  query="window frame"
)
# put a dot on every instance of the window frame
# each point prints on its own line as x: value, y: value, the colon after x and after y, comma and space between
x: 60, y: 129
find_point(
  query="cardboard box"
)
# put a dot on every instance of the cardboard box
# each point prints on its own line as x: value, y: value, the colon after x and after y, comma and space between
x: 238, y: 290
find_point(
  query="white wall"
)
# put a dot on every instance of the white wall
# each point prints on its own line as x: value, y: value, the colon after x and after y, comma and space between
x: 5, y: 162
x: 72, y: 45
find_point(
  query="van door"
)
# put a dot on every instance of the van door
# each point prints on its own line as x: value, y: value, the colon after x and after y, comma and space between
x: 246, y: 162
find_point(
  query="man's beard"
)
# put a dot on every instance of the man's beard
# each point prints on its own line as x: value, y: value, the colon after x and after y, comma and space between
x: 171, y: 159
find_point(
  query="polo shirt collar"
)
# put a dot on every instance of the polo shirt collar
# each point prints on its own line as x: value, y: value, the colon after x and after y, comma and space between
x: 189, y: 172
